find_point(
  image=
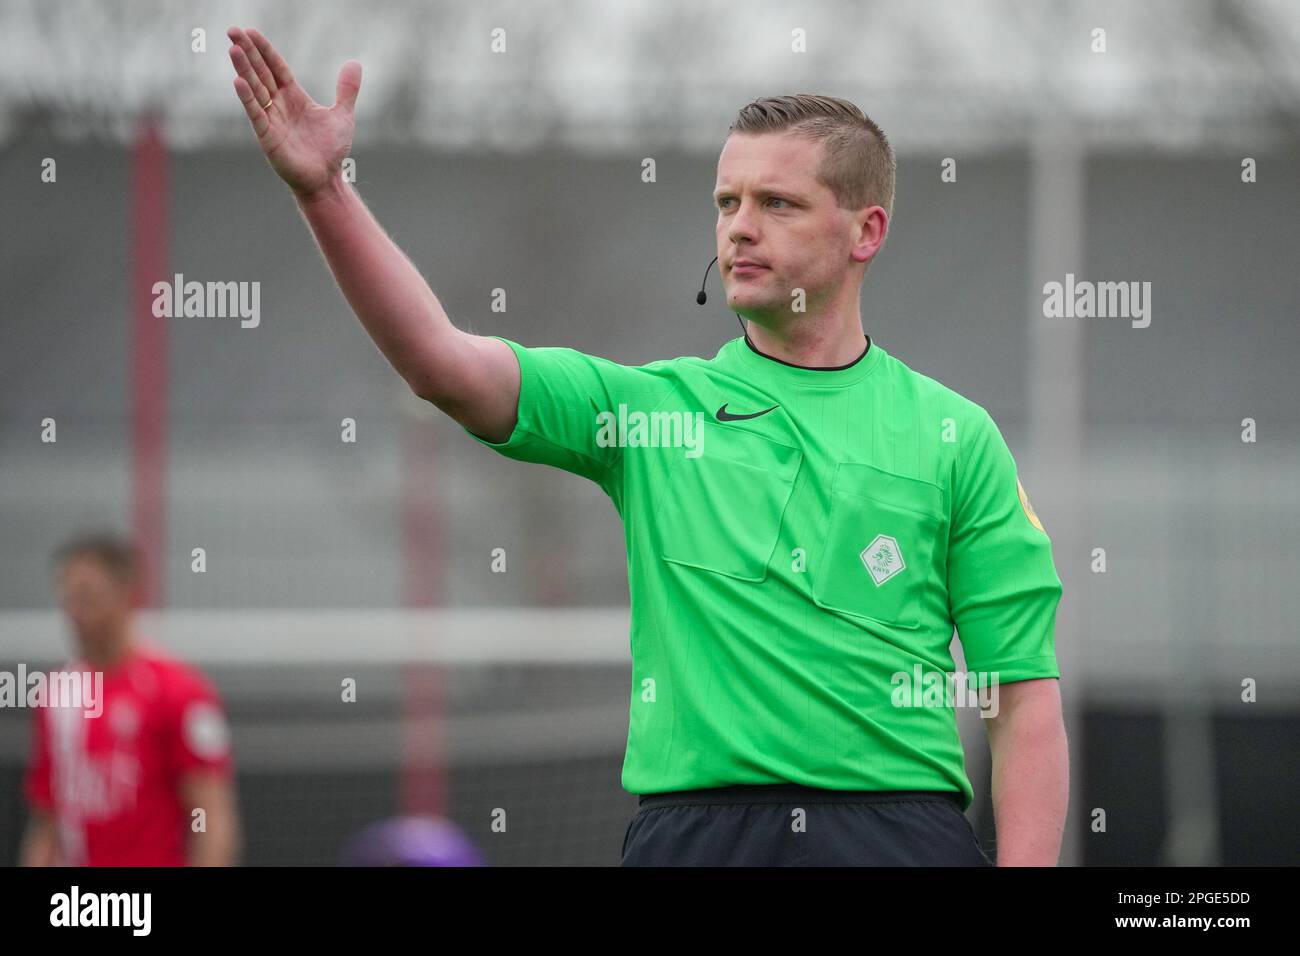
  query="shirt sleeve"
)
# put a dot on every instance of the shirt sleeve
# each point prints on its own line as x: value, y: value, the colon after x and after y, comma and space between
x: 561, y: 394
x: 36, y: 782
x: 1003, y: 588
x: 199, y: 737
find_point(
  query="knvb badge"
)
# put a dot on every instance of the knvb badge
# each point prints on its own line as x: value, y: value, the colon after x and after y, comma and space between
x: 883, y: 559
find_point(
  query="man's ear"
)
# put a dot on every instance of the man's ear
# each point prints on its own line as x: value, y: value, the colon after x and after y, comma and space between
x: 871, y: 228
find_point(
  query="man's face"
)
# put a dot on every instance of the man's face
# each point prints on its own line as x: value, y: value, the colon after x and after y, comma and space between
x: 95, y: 602
x: 772, y: 209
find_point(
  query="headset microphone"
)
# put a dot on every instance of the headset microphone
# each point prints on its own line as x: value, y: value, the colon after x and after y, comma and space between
x: 702, y: 296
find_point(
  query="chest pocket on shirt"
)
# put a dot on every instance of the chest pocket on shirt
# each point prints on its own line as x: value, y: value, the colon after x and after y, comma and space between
x: 878, y: 556
x: 722, y: 510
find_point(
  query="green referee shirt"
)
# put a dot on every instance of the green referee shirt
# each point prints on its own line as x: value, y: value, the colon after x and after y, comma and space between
x: 801, y: 543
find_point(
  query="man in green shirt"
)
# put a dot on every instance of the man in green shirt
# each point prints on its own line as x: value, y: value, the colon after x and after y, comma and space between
x: 806, y: 518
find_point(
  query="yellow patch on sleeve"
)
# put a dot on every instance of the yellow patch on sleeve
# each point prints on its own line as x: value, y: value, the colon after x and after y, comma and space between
x: 1029, y: 509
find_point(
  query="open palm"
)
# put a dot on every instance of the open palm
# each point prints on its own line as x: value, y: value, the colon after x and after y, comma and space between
x: 304, y: 141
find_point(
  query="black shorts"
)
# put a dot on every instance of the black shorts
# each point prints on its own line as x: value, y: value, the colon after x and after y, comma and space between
x: 792, y: 825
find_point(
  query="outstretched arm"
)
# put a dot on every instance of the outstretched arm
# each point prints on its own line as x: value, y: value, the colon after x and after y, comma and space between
x: 474, y: 379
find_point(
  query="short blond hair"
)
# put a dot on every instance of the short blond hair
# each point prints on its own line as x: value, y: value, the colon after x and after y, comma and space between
x: 858, y: 164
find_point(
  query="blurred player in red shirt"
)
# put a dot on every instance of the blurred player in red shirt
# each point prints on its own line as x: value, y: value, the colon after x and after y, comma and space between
x: 122, y: 788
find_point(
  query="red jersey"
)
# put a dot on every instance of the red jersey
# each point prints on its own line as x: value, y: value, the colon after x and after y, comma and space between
x: 112, y: 781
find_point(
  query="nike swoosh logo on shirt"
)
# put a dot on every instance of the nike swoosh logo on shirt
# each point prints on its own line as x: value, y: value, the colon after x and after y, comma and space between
x: 725, y: 416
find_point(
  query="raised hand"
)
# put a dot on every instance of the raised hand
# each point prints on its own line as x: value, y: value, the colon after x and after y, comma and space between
x: 304, y: 142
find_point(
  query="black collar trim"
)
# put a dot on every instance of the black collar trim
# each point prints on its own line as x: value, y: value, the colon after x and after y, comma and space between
x: 812, y: 368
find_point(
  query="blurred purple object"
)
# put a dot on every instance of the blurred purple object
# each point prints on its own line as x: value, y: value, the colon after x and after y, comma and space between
x: 411, y: 841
